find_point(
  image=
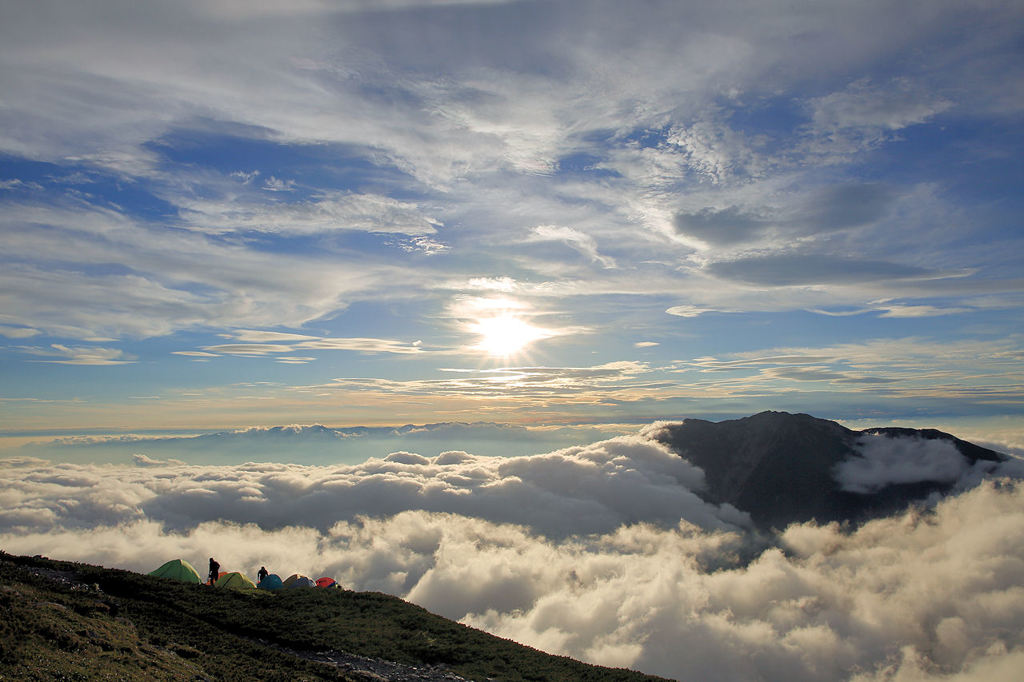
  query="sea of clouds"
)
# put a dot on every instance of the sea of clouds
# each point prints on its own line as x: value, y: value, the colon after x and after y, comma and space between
x: 604, y: 552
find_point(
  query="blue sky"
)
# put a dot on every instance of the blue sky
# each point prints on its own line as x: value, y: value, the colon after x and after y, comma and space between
x: 222, y: 214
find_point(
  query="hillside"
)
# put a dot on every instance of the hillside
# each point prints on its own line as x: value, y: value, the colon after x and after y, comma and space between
x: 781, y: 467
x: 62, y: 620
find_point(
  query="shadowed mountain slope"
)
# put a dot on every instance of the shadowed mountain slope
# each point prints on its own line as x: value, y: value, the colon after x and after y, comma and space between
x: 781, y: 467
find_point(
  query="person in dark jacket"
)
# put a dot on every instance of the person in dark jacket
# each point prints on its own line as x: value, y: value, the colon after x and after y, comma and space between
x: 262, y: 574
x: 214, y: 570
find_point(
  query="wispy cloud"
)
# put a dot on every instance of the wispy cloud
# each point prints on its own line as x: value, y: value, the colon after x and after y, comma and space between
x: 18, y: 332
x: 573, y: 384
x: 79, y: 355
x: 868, y: 106
x: 580, y: 241
x: 324, y: 212
x: 985, y: 371
x: 256, y: 343
x: 175, y: 279
x: 921, y: 311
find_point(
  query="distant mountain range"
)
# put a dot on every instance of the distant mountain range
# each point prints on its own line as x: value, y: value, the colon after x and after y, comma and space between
x: 783, y: 468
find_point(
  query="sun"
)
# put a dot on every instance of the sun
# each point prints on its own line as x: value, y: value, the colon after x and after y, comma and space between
x: 506, y: 335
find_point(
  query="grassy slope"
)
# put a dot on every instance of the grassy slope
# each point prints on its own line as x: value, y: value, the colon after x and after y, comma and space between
x: 140, y: 627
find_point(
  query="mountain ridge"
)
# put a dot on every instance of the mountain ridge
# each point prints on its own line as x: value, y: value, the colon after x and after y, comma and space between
x: 781, y: 468
x: 65, y: 620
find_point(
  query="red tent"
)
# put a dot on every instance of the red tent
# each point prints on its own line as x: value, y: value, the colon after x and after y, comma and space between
x: 326, y: 582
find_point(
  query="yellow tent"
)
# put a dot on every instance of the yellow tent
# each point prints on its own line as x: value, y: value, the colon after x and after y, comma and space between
x: 235, y: 581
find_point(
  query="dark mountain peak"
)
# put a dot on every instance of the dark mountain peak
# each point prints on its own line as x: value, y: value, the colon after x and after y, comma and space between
x: 768, y: 423
x: 782, y: 467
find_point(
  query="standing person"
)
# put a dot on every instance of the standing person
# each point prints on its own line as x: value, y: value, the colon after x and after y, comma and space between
x: 214, y: 570
x: 262, y: 574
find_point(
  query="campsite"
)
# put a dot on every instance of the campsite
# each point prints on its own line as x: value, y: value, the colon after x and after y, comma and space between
x: 183, y: 571
x: 63, y: 620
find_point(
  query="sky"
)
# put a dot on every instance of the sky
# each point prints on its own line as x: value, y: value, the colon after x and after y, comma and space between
x: 221, y: 215
x: 400, y: 292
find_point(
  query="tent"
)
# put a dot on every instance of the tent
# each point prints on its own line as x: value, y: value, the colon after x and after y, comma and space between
x: 326, y: 582
x: 271, y: 582
x: 178, y: 569
x: 303, y: 581
x: 235, y: 581
x: 293, y: 578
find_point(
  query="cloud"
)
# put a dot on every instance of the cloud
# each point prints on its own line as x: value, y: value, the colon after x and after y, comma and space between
x: 580, y: 241
x: 422, y: 244
x: 819, y: 374
x: 362, y: 345
x: 504, y: 284
x: 847, y: 205
x: 867, y: 114
x: 143, y: 461
x: 789, y: 270
x: 273, y: 184
x: 80, y: 355
x: 720, y: 227
x: 15, y: 183
x: 259, y: 345
x: 898, y: 310
x: 263, y: 336
x: 583, y: 489
x: 921, y: 311
x: 950, y: 377
x: 320, y: 445
x: 930, y: 596
x: 866, y: 105
x: 578, y: 384
x: 393, y: 125
x: 247, y: 348
x: 325, y: 212
x: 176, y: 280
x: 759, y: 217
x: 18, y: 332
x: 687, y: 310
x: 882, y: 461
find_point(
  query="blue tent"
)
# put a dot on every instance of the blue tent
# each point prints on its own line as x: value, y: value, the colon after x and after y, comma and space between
x: 271, y: 582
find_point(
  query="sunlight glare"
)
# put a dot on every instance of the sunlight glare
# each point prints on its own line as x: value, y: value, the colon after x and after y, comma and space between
x: 506, y: 335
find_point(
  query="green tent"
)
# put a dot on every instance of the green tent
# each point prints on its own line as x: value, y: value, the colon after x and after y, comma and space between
x: 178, y: 569
x: 235, y: 581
